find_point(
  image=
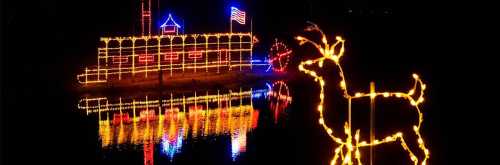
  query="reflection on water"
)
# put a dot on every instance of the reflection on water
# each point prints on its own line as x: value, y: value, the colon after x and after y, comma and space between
x: 279, y: 98
x: 173, y: 120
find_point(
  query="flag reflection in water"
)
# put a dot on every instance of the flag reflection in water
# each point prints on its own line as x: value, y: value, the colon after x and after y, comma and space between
x: 172, y: 146
x: 150, y: 120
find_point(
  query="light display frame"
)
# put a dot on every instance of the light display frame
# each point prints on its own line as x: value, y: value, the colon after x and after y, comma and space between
x: 220, y: 52
x: 350, y: 146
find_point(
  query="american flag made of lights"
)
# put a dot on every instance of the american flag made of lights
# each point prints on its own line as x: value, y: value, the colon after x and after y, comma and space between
x: 237, y: 15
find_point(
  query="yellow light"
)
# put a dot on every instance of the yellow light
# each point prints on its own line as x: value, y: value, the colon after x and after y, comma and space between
x: 335, y: 58
x: 357, y: 94
x: 328, y: 53
x: 386, y: 94
x: 173, y: 122
x: 131, y: 60
x: 313, y: 74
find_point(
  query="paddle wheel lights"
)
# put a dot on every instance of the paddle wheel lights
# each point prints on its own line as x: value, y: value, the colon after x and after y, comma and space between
x: 348, y: 150
x: 279, y: 98
x: 279, y: 56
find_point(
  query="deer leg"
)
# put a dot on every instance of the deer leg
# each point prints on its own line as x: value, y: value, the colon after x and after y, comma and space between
x: 405, y: 146
x: 337, y: 151
x: 421, y: 146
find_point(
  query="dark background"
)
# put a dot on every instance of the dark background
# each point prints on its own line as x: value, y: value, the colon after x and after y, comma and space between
x: 46, y: 43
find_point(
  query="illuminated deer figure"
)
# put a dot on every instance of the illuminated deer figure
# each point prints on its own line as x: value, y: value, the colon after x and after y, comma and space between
x: 348, y: 149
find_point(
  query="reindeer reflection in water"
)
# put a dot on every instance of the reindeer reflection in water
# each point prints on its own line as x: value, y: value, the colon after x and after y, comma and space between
x: 349, y: 149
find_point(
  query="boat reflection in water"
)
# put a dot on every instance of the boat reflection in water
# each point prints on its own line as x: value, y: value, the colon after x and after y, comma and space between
x: 168, y: 119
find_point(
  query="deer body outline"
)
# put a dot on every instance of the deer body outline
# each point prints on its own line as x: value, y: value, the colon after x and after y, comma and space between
x: 350, y: 145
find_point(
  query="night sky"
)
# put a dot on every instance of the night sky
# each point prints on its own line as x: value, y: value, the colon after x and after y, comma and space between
x: 46, y: 43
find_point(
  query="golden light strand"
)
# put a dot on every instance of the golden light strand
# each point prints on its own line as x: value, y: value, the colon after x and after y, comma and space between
x: 328, y: 53
x: 128, y: 56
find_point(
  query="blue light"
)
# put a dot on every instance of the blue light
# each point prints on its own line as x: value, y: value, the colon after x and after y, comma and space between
x: 170, y: 148
x: 233, y: 5
x: 269, y: 68
x: 172, y: 20
x: 256, y: 61
x: 234, y: 149
x: 268, y: 86
x: 259, y: 93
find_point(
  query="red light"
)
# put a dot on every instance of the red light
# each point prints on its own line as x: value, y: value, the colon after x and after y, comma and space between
x: 195, y: 54
x: 147, y: 115
x: 169, y: 29
x: 146, y: 58
x: 119, y: 60
x: 171, y: 56
x: 118, y: 118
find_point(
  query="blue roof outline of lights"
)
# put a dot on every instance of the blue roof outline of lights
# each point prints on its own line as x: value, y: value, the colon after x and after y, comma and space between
x: 172, y: 20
